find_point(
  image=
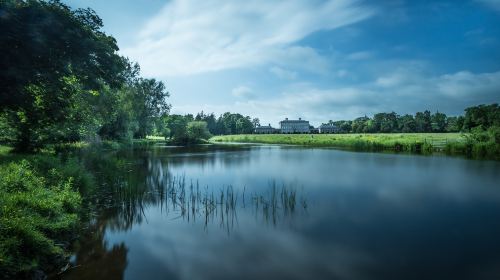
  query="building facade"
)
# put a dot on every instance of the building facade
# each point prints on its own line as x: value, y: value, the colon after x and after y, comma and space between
x: 328, y: 128
x: 265, y: 129
x: 294, y: 126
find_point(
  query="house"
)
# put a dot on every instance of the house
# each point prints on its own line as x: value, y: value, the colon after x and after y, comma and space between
x: 294, y: 126
x: 328, y: 128
x: 313, y: 130
x: 265, y: 129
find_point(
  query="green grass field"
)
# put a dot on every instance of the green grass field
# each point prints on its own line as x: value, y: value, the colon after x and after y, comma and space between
x: 411, y: 142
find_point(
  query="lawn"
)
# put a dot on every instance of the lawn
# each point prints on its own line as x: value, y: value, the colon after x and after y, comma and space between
x: 366, y: 142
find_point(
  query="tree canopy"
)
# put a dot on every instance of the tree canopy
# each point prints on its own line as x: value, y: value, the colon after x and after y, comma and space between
x: 63, y: 80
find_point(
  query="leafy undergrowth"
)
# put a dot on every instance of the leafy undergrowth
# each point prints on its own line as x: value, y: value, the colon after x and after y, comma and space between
x: 39, y: 212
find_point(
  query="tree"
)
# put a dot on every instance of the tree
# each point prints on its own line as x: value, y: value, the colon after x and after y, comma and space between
x: 177, y: 125
x: 229, y: 123
x: 482, y: 115
x: 359, y: 124
x: 150, y: 102
x: 55, y: 62
x: 255, y: 122
x: 197, y: 130
x: 407, y: 124
x: 385, y: 122
x: 438, y: 122
x: 423, y: 121
x: 244, y: 126
x: 343, y: 126
x: 209, y: 119
x: 454, y: 124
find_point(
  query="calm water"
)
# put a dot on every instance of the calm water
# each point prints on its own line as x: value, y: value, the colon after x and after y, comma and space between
x: 228, y: 213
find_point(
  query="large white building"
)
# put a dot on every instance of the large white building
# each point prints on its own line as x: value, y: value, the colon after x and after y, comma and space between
x: 294, y: 126
x: 328, y: 128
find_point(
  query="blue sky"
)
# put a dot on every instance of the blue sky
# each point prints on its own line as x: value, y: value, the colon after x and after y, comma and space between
x: 315, y: 59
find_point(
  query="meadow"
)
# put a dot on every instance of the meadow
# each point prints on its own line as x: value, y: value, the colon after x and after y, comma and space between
x: 400, y: 142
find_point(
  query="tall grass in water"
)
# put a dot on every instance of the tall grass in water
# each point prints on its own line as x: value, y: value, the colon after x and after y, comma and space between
x: 192, y: 203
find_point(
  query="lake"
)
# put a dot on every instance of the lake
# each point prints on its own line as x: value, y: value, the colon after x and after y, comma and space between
x: 278, y: 212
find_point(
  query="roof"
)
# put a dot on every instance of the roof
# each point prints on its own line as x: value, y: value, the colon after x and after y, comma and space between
x: 328, y: 125
x: 294, y: 121
x: 264, y: 126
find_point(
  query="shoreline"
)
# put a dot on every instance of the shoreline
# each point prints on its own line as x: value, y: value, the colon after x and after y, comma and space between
x: 450, y: 144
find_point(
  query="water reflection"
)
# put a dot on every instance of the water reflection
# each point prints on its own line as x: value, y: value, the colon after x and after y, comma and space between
x: 226, y: 213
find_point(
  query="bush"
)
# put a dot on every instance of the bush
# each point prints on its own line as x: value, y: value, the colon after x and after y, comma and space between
x: 198, y: 130
x: 35, y: 211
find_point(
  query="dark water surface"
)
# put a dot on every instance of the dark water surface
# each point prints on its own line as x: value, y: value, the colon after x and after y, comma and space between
x: 271, y: 212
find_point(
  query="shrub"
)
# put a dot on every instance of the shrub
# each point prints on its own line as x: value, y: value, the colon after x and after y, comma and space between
x: 35, y: 211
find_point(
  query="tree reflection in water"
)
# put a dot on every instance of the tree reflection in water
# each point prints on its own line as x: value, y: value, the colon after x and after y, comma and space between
x: 124, y: 189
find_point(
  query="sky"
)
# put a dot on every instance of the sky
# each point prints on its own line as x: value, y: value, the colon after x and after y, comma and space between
x: 318, y: 60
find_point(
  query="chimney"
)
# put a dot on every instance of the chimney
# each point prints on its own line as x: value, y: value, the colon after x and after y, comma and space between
x: 269, y: 124
x: 300, y: 119
x: 286, y: 119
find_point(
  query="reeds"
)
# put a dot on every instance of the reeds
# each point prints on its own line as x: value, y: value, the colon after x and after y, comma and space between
x: 185, y: 200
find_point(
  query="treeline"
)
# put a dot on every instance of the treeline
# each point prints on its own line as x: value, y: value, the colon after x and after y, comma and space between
x: 187, y: 128
x: 480, y: 117
x: 63, y: 80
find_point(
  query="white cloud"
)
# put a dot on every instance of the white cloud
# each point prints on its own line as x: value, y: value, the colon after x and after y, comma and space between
x: 404, y: 91
x: 189, y: 37
x: 243, y: 92
x: 360, y: 55
x: 465, y: 84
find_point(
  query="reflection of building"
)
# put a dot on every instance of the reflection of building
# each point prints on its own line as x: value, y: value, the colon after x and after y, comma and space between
x: 265, y: 129
x: 294, y: 126
x: 328, y: 128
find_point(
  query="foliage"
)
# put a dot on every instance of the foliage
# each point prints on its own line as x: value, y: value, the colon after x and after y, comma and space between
x: 63, y: 79
x: 484, y: 144
x: 55, y: 61
x: 483, y: 116
x: 197, y: 130
x: 136, y: 109
x: 35, y: 211
x: 228, y: 123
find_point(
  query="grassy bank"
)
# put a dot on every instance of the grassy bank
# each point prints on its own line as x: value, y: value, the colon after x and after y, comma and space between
x: 43, y: 201
x: 410, y: 142
x: 40, y: 206
x: 482, y: 145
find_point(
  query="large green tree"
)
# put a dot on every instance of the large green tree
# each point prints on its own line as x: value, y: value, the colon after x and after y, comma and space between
x: 55, y: 62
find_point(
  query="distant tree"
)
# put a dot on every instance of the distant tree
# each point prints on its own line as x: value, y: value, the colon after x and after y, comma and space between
x: 255, y: 122
x: 343, y: 126
x: 438, y: 122
x: 482, y: 115
x: 454, y: 124
x: 177, y: 125
x: 209, y: 119
x: 150, y: 102
x: 423, y: 121
x: 407, y: 124
x: 197, y: 130
x: 244, y: 126
x: 385, y: 122
x: 359, y: 124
